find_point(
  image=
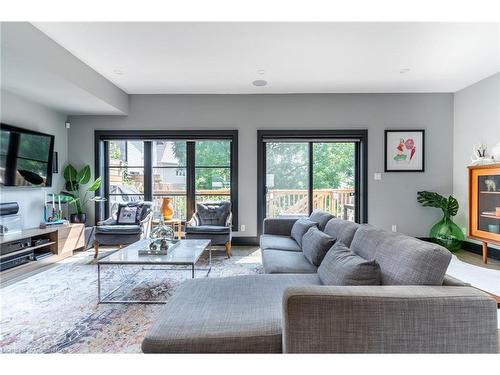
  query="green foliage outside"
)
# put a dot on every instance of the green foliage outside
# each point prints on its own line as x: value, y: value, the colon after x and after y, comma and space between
x: 288, y: 162
x: 208, y: 154
x: 333, y: 165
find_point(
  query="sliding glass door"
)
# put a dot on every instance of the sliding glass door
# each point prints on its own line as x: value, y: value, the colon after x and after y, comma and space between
x: 305, y: 171
x: 333, y: 173
x: 287, y: 179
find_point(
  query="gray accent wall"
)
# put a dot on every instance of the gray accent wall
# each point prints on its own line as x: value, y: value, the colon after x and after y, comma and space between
x: 23, y: 113
x: 476, y: 120
x: 391, y: 200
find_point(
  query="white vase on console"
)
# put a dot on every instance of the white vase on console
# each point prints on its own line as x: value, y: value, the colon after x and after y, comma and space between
x: 495, y: 152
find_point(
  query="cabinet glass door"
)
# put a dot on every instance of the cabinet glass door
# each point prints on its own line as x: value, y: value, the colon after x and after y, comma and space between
x: 488, y: 203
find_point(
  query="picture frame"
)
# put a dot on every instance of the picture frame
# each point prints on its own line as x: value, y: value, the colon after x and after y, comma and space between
x: 404, y: 150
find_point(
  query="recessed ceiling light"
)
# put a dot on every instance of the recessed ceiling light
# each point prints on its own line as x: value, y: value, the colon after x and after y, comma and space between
x: 118, y: 71
x: 404, y: 70
x: 261, y: 71
x: 259, y: 82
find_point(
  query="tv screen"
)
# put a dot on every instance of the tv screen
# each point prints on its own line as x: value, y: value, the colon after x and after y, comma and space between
x: 25, y: 157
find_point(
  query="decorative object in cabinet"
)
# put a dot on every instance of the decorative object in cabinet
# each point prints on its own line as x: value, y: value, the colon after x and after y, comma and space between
x: 484, y: 205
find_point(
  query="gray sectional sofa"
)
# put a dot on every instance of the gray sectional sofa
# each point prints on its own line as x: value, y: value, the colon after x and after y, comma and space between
x: 417, y: 309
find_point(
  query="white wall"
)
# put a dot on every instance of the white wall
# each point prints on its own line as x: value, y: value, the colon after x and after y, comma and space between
x: 476, y: 120
x: 17, y: 111
x: 391, y: 201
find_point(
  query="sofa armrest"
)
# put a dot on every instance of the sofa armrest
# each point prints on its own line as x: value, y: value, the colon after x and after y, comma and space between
x: 145, y: 225
x: 280, y: 226
x: 109, y: 221
x: 229, y: 220
x: 194, y: 221
x: 388, y: 319
x: 453, y: 281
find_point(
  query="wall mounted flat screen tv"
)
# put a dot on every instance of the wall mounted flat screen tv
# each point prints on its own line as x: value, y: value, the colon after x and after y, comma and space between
x: 25, y: 157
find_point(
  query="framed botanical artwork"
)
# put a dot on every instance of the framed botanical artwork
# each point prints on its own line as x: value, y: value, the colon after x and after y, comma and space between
x: 404, y: 150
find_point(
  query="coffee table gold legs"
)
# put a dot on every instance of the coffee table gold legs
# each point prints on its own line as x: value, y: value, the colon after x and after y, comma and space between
x: 228, y: 248
x: 96, y: 249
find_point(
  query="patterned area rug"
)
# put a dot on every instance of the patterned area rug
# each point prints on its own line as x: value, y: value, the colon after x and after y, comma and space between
x: 56, y: 311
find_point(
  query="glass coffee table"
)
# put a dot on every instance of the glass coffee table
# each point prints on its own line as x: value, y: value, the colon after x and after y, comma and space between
x: 186, y: 253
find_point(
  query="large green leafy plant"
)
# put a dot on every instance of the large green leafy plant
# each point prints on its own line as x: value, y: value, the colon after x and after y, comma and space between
x: 76, y: 193
x: 445, y: 231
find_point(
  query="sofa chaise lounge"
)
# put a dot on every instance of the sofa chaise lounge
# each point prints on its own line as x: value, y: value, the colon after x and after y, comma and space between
x: 417, y: 309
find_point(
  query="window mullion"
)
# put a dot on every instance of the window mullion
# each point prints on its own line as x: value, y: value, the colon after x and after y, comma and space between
x: 310, y: 178
x: 148, y: 171
x: 190, y: 179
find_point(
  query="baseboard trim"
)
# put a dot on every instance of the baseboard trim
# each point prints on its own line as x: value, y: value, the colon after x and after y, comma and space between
x: 474, y: 248
x: 478, y: 249
x: 245, y: 241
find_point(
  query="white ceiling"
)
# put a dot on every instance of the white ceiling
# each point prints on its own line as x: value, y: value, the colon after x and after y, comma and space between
x: 220, y: 58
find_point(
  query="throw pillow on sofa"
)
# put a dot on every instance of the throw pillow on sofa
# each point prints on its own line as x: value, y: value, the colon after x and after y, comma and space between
x: 343, y: 267
x: 315, y: 245
x: 300, y: 227
x: 321, y: 217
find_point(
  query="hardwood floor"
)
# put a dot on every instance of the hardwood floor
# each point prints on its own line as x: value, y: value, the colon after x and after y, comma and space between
x: 477, y: 260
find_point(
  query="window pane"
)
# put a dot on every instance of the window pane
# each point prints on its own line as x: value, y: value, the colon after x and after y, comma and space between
x: 214, y: 153
x: 115, y: 200
x: 169, y: 180
x: 123, y: 153
x: 213, y: 179
x: 126, y: 180
x: 333, y: 178
x: 178, y: 204
x: 287, y: 176
x: 169, y: 154
x: 4, y: 141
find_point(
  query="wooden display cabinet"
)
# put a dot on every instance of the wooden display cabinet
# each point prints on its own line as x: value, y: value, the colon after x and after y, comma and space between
x: 484, y: 205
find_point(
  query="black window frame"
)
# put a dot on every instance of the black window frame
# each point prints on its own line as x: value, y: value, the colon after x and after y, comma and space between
x: 360, y: 136
x: 190, y: 136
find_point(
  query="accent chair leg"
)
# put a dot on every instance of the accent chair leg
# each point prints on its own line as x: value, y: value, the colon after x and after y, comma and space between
x: 228, y: 248
x: 96, y: 249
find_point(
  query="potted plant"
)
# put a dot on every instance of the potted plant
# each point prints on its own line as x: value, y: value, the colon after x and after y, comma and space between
x: 75, y: 181
x: 445, y: 232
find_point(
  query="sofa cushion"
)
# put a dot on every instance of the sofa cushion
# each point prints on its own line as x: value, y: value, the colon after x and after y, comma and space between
x: 300, y: 227
x: 239, y: 314
x: 343, y: 267
x: 271, y: 241
x: 118, y: 229
x: 208, y: 229
x: 321, y: 217
x: 315, y: 245
x: 403, y: 260
x: 282, y: 261
x: 341, y: 230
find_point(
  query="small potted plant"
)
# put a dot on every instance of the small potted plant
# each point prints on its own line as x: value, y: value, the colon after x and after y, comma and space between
x: 75, y: 181
x: 445, y: 232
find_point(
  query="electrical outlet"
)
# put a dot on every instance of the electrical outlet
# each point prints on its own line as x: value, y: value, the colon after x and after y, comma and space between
x: 464, y: 230
x: 394, y: 228
x: 242, y: 227
x: 377, y: 176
